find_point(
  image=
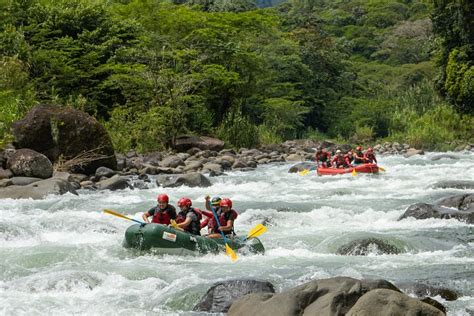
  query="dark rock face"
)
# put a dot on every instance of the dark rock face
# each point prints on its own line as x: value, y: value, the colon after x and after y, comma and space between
x: 5, y: 173
x: 458, y: 184
x: 384, y: 302
x: 421, y: 290
x: 55, y: 131
x: 186, y: 142
x: 115, y: 183
x: 302, y: 166
x: 333, y: 296
x: 365, y: 246
x: 190, y: 179
x: 29, y: 163
x: 37, y: 190
x: 444, y: 156
x: 424, y: 210
x: 463, y: 202
x: 220, y: 296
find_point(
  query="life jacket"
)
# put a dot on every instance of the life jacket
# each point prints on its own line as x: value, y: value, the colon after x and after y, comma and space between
x: 323, y: 156
x: 195, y: 226
x: 340, y: 161
x: 223, y: 218
x: 359, y: 154
x: 348, y: 158
x: 370, y: 157
x: 164, y: 216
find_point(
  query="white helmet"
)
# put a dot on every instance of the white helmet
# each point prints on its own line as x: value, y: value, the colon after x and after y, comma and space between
x: 338, y: 151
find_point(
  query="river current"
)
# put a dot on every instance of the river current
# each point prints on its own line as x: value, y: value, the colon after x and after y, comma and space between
x: 62, y: 255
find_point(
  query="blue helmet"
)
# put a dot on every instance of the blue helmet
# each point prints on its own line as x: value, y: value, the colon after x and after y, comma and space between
x: 216, y: 201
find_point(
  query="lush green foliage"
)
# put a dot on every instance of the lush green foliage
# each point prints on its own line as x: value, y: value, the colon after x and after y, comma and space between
x: 453, y: 21
x: 151, y: 70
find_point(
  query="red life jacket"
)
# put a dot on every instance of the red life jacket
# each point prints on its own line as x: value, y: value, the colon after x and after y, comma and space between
x: 223, y: 218
x: 323, y: 156
x: 370, y: 157
x: 163, y: 216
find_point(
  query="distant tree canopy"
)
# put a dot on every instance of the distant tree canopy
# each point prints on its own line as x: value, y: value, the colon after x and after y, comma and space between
x: 153, y: 69
x: 454, y: 22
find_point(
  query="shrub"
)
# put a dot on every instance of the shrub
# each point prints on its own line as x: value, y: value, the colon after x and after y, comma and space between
x: 237, y: 130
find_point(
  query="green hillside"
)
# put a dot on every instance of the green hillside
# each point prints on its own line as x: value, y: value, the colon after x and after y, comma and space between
x: 151, y: 70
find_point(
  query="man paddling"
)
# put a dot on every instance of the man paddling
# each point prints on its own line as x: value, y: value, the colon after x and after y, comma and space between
x: 163, y: 213
x: 226, y: 221
x: 322, y: 156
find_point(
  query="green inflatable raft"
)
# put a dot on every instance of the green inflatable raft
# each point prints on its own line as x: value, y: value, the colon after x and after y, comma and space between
x: 167, y: 240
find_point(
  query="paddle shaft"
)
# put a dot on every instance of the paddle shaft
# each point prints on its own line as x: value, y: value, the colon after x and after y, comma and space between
x: 122, y: 216
x: 218, y: 223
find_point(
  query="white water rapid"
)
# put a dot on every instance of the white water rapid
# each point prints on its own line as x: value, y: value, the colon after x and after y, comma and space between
x: 63, y: 255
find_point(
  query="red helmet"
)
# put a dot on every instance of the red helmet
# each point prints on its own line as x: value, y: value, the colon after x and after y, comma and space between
x: 184, y: 202
x: 370, y: 149
x: 359, y: 148
x: 163, y: 198
x: 226, y: 202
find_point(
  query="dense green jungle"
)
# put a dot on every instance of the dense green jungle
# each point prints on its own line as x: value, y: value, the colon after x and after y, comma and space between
x: 249, y: 72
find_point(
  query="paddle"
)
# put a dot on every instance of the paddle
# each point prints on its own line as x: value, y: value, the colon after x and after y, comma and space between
x: 306, y: 171
x: 228, y: 250
x: 175, y: 225
x: 354, y: 173
x: 256, y: 231
x: 122, y: 216
x: 381, y: 169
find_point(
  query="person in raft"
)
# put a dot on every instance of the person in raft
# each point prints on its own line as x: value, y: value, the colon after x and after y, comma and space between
x: 322, y: 156
x: 215, y: 203
x: 349, y: 157
x: 163, y: 213
x: 370, y: 156
x: 340, y: 161
x: 226, y: 221
x: 359, y: 156
x: 189, y: 219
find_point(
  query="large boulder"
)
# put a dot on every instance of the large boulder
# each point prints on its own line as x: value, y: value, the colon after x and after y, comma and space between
x: 366, y: 246
x: 115, y: 183
x: 384, y: 302
x: 37, y: 190
x: 65, y: 132
x: 334, y: 296
x: 462, y: 202
x: 423, y: 290
x: 424, y: 211
x: 176, y: 180
x: 221, y: 295
x: 454, y: 184
x: 186, y: 142
x: 29, y: 163
x: 302, y: 166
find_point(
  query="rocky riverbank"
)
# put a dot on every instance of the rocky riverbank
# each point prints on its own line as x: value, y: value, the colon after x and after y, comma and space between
x: 59, y: 149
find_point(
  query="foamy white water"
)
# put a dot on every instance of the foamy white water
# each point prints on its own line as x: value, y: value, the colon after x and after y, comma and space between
x: 63, y: 255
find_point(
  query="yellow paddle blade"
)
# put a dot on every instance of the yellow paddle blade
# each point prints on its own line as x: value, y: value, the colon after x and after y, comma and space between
x: 303, y: 172
x: 354, y: 173
x: 230, y: 252
x: 173, y: 224
x: 256, y: 231
x: 116, y: 214
x: 381, y: 169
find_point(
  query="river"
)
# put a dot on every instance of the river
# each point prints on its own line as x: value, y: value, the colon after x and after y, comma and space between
x: 63, y: 255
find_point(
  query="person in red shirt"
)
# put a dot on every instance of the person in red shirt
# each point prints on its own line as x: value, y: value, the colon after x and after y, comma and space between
x: 339, y: 161
x: 226, y: 221
x: 163, y: 213
x: 370, y: 156
x: 324, y: 157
